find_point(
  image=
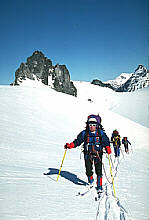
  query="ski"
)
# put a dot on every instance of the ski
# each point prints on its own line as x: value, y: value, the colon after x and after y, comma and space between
x: 89, y: 189
x: 92, y: 189
x: 82, y: 193
x: 99, y: 196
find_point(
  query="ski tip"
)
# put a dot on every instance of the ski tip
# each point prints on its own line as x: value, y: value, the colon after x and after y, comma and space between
x: 46, y: 173
x: 96, y: 199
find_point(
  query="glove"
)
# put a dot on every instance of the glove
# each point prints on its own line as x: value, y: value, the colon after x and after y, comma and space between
x: 69, y: 146
x: 108, y: 149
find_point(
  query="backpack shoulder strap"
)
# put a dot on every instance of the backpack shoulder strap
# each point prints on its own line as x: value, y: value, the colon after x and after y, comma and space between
x: 99, y: 134
x: 86, y: 136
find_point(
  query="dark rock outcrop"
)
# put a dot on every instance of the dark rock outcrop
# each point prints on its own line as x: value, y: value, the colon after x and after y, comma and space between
x: 100, y: 83
x: 40, y: 67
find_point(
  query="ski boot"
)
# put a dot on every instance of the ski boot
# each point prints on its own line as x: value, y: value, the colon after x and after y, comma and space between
x: 90, y: 181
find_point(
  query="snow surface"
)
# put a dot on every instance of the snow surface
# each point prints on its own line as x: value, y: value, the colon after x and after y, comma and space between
x: 36, y: 122
x: 132, y: 105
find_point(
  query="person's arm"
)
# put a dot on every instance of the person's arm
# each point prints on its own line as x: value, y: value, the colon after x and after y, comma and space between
x: 77, y: 142
x: 105, y: 142
x: 129, y: 142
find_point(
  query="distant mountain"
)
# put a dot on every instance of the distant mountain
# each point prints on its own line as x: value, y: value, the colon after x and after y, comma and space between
x: 138, y: 80
x: 40, y: 68
x: 127, y: 82
x: 120, y: 80
x: 113, y: 84
x: 102, y: 84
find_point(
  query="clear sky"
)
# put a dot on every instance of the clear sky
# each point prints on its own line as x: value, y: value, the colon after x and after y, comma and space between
x: 93, y: 38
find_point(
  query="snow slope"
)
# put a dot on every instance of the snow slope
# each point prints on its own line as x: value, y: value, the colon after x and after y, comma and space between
x: 35, y: 123
x: 132, y: 105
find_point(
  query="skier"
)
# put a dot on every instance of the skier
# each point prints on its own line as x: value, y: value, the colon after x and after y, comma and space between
x: 115, y: 138
x: 126, y: 142
x: 94, y: 139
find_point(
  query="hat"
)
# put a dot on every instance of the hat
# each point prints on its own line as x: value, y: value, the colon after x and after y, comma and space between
x: 92, y: 120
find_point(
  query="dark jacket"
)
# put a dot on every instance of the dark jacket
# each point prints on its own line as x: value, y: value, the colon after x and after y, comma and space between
x: 116, y: 141
x: 125, y: 142
x: 98, y: 139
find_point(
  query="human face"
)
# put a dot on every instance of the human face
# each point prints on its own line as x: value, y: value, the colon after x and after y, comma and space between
x: 92, y: 127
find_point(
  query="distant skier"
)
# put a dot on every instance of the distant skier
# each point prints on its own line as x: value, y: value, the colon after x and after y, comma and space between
x: 94, y: 139
x: 116, y: 140
x: 126, y: 142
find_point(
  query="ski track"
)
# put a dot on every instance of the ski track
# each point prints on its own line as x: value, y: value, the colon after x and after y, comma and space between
x: 33, y: 132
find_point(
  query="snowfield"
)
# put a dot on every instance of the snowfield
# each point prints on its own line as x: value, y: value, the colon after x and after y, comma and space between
x: 37, y: 121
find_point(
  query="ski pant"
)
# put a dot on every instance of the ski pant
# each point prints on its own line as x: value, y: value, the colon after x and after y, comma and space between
x: 126, y: 148
x: 117, y: 151
x: 89, y: 160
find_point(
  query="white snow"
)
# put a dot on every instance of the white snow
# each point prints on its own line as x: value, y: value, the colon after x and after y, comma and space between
x: 120, y: 80
x: 37, y: 121
x: 132, y: 105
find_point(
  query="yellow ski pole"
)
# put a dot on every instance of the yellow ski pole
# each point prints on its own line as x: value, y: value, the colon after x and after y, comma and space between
x: 112, y: 177
x: 61, y: 165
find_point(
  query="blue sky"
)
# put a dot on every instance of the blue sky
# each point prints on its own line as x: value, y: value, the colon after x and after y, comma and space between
x: 93, y: 38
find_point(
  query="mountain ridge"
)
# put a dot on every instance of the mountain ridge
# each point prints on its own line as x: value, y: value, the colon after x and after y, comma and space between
x: 127, y: 82
x: 40, y: 68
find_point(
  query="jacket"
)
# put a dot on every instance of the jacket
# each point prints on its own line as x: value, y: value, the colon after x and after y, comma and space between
x: 89, y: 139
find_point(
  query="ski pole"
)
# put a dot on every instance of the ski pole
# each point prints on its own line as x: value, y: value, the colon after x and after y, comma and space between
x: 112, y: 162
x: 112, y: 176
x: 121, y: 152
x: 61, y: 165
x: 131, y: 149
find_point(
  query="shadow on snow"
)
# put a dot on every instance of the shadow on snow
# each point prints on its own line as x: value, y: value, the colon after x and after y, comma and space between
x: 67, y: 175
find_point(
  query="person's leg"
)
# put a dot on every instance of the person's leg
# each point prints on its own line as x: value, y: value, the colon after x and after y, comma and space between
x: 118, y: 151
x: 89, y: 168
x: 127, y: 149
x: 115, y: 151
x: 98, y: 170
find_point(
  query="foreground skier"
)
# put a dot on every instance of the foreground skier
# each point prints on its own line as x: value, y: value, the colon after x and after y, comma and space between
x: 94, y: 140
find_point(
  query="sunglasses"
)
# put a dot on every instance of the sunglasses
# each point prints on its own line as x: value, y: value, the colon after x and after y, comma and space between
x: 94, y: 125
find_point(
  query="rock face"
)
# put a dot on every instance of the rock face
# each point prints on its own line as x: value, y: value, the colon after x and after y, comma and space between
x: 40, y: 67
x: 62, y: 81
x: 102, y: 84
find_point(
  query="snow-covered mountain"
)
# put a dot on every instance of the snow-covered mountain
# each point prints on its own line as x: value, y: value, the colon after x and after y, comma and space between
x: 40, y: 68
x: 36, y: 122
x: 127, y: 82
x: 120, y: 80
x: 138, y: 80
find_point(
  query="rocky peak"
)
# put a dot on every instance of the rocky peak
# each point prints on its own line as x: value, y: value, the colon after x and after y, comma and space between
x: 138, y: 80
x: 40, y: 67
x: 140, y: 70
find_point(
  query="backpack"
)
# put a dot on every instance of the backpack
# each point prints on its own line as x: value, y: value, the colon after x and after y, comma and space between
x: 99, y: 127
x: 97, y: 138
